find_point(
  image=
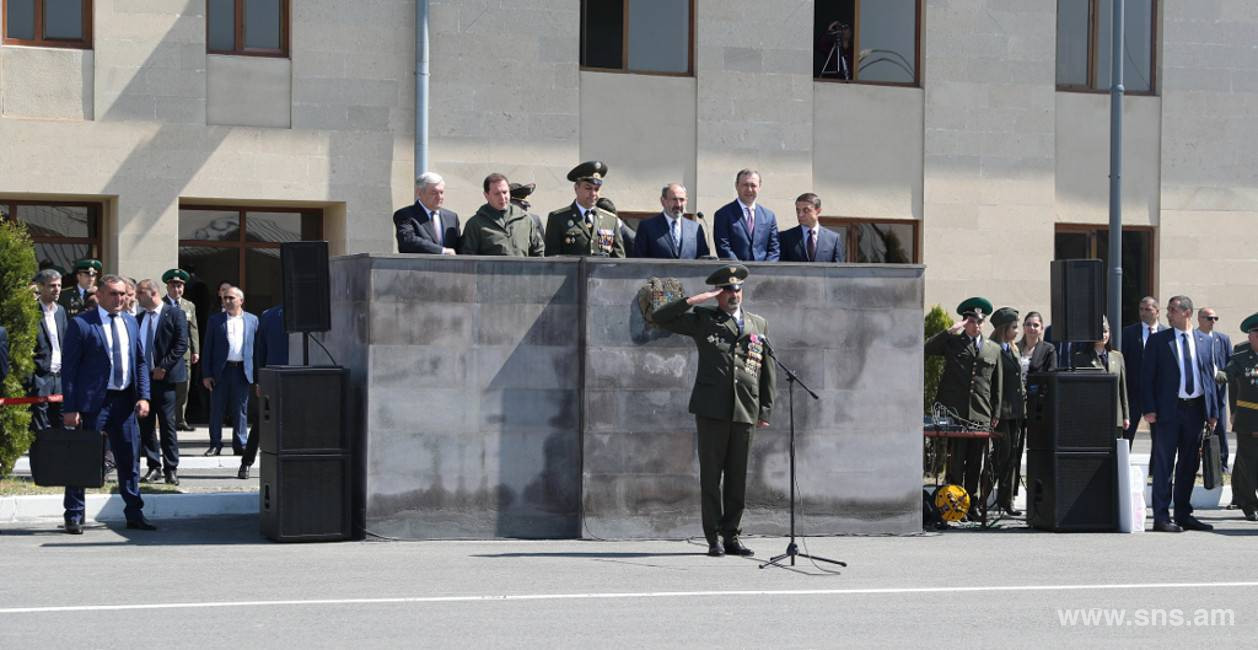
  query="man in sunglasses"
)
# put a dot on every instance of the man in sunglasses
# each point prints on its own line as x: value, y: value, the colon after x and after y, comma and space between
x: 1206, y: 320
x: 733, y: 394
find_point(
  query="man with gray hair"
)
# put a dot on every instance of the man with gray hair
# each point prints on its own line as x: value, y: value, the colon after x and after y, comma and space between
x: 426, y: 226
x: 670, y: 235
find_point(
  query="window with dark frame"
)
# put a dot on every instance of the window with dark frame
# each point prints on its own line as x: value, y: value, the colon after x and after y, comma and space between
x: 62, y: 231
x: 1084, y: 44
x: 1081, y: 241
x: 645, y: 36
x: 247, y: 27
x: 878, y: 241
x: 868, y: 41
x: 48, y: 23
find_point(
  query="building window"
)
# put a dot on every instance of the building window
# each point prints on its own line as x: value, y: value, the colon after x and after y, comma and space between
x: 1084, y: 44
x: 878, y: 241
x: 48, y: 23
x: 650, y: 36
x: 1078, y: 241
x: 62, y: 232
x: 869, y: 41
x: 248, y: 27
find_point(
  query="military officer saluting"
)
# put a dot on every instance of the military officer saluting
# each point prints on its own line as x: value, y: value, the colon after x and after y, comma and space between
x: 583, y: 228
x: 74, y: 298
x: 1243, y: 370
x: 733, y: 393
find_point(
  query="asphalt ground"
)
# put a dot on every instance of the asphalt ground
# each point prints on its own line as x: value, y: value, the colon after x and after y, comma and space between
x: 214, y: 582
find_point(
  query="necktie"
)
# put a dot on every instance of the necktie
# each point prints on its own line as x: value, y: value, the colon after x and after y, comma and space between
x: 812, y: 245
x: 589, y: 218
x: 1105, y: 359
x: 150, y: 323
x: 433, y: 218
x: 676, y: 228
x: 1190, y: 386
x: 751, y: 221
x: 116, y: 379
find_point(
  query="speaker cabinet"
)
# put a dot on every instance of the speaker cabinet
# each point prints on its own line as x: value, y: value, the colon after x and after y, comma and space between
x: 307, y: 292
x: 1078, y: 297
x: 301, y: 410
x: 1072, y: 491
x: 1071, y: 411
x: 305, y: 497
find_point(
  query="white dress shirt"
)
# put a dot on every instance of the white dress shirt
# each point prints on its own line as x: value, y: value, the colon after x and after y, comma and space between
x: 747, y: 209
x: 124, y: 341
x: 54, y: 341
x: 1180, y: 337
x: 236, y: 337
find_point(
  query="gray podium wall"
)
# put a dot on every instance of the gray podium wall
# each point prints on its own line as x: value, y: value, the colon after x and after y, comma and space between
x: 528, y: 398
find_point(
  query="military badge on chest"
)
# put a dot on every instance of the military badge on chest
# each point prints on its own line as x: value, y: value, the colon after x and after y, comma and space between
x: 755, y: 354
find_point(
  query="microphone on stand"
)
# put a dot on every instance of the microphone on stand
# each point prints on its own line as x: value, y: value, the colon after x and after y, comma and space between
x: 699, y: 216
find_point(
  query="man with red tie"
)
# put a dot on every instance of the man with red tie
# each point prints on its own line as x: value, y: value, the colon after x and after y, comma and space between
x: 744, y: 229
x: 809, y: 241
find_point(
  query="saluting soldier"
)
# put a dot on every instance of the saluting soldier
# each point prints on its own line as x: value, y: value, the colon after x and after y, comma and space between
x: 1243, y: 371
x: 519, y: 194
x: 970, y: 387
x: 733, y: 393
x: 75, y: 298
x: 583, y: 228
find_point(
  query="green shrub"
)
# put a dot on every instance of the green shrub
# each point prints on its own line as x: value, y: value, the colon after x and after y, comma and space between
x: 20, y: 316
x: 937, y: 320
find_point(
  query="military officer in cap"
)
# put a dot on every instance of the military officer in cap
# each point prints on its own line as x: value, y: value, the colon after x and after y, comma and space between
x: 518, y: 195
x: 75, y: 298
x: 1243, y: 370
x: 970, y: 387
x: 176, y: 280
x: 733, y: 393
x: 583, y: 228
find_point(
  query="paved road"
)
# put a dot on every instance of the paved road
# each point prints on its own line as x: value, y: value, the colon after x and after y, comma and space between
x: 216, y: 583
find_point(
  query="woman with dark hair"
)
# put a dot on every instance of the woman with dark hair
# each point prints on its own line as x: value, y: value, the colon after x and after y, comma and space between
x: 1008, y: 437
x: 1102, y: 355
x: 1036, y: 354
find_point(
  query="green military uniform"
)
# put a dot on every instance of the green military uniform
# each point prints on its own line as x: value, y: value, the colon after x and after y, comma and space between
x: 734, y: 389
x: 518, y: 195
x: 568, y: 232
x: 1008, y: 443
x: 1243, y: 370
x: 194, y: 347
x: 501, y: 232
x: 971, y: 387
x: 72, y: 299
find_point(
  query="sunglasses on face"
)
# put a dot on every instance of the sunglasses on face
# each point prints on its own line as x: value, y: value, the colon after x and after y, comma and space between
x: 1212, y: 319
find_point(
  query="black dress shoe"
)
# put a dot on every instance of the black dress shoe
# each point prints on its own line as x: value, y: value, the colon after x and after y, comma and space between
x: 715, y: 550
x: 1251, y: 515
x: 735, y: 547
x: 172, y: 478
x: 1166, y: 527
x: 213, y: 451
x: 152, y: 475
x: 184, y: 427
x: 1192, y: 523
x: 1011, y: 511
x: 74, y: 527
x: 140, y: 524
x: 243, y: 473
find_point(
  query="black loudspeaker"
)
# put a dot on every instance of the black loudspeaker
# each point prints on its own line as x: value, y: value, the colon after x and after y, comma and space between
x: 307, y: 292
x: 306, y: 497
x: 300, y: 410
x: 1071, y: 411
x: 1078, y: 299
x: 1072, y: 491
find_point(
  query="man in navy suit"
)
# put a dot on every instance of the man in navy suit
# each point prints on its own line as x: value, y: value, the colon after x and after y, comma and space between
x: 1222, y: 345
x: 743, y: 229
x: 1179, y: 396
x: 1135, y: 340
x: 271, y: 349
x: 227, y: 355
x: 809, y: 242
x: 669, y: 234
x: 48, y: 338
x: 164, y: 338
x: 425, y: 226
x: 106, y: 385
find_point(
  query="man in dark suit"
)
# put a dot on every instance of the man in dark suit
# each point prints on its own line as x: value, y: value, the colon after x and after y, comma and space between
x: 809, y: 242
x: 164, y: 338
x: 106, y: 385
x: 75, y: 299
x: 669, y: 234
x: 425, y: 226
x: 270, y: 349
x: 227, y: 354
x: 1135, y: 340
x: 1178, y: 394
x: 176, y: 280
x: 48, y: 339
x: 743, y: 229
x: 733, y: 394
x: 1222, y: 346
x: 581, y: 227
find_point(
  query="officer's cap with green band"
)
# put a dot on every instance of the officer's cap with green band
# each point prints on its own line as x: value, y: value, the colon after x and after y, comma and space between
x: 977, y: 307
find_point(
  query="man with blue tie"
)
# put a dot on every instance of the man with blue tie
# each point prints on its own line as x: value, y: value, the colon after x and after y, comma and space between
x: 271, y: 350
x: 1178, y: 394
x: 809, y: 242
x: 1135, y: 340
x: 670, y: 235
x: 743, y: 229
x: 105, y: 381
x: 164, y: 339
x: 227, y: 353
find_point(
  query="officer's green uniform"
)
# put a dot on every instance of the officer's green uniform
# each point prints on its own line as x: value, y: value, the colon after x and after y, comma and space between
x: 71, y: 298
x: 971, y: 387
x: 501, y: 232
x: 734, y: 388
x: 574, y: 230
x: 518, y: 195
x: 1243, y: 370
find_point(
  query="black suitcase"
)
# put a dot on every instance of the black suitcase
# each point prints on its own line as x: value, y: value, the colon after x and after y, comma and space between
x: 1211, y: 461
x: 68, y: 458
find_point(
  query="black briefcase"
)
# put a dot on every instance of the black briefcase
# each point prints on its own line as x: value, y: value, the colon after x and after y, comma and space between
x: 68, y: 458
x: 1211, y: 461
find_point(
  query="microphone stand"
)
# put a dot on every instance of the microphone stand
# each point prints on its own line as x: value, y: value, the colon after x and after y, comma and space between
x: 792, y: 551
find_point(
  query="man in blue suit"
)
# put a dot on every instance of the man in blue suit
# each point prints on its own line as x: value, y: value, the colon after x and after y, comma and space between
x: 271, y: 350
x: 1222, y: 345
x: 669, y: 235
x: 1135, y: 340
x: 1178, y: 394
x: 809, y: 242
x: 227, y: 355
x: 743, y: 229
x: 164, y: 338
x: 105, y: 381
